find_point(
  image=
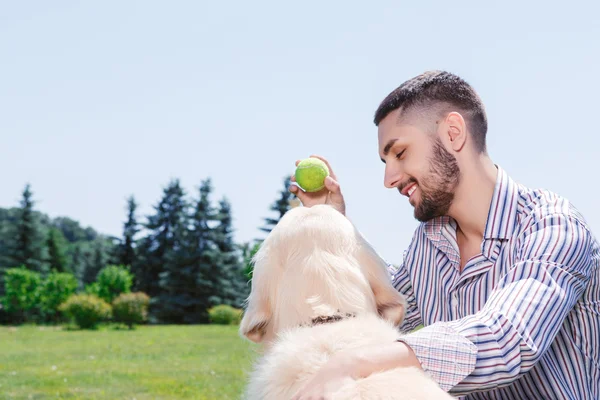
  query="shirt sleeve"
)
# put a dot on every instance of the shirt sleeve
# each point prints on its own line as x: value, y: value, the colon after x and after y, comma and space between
x: 521, y: 317
x: 402, y: 283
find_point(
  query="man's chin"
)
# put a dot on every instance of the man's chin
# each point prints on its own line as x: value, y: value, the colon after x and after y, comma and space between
x: 424, y: 216
x: 420, y: 218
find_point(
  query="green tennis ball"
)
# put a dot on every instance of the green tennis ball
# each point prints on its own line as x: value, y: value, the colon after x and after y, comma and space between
x: 311, y: 173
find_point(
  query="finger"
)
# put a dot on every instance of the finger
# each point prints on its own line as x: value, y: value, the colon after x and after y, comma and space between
x: 301, y: 195
x: 298, y: 162
x: 293, y: 178
x: 331, y: 173
x: 332, y: 185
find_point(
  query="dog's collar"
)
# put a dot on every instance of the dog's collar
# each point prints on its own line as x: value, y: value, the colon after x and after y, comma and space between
x: 327, y: 319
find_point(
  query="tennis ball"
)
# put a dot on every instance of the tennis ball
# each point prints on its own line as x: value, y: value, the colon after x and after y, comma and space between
x: 311, y: 173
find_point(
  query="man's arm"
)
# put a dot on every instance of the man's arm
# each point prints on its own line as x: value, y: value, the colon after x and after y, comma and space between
x: 521, y: 317
x: 402, y: 283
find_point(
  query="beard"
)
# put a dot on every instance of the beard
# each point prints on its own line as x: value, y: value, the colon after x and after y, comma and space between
x: 437, y: 189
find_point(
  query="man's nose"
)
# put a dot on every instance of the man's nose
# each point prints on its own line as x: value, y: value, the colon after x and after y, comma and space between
x: 393, y: 176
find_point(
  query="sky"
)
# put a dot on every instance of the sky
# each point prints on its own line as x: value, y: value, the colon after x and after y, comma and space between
x: 103, y: 100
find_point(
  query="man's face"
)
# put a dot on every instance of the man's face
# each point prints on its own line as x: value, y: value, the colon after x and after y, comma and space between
x: 418, y: 165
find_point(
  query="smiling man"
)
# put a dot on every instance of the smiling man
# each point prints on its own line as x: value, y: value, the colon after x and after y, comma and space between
x: 503, y: 277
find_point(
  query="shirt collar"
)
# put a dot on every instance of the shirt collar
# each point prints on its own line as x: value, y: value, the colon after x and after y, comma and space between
x: 502, y: 216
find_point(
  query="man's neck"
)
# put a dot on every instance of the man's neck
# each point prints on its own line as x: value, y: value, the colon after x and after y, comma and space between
x: 473, y: 198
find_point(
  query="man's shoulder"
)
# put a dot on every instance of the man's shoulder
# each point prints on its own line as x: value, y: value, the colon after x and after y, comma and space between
x: 537, y: 204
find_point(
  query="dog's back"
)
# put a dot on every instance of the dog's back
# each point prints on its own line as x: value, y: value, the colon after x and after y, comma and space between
x: 298, y: 354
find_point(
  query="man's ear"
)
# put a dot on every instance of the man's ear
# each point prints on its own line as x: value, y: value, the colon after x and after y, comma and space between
x: 454, y: 130
x: 258, y: 312
x: 390, y: 303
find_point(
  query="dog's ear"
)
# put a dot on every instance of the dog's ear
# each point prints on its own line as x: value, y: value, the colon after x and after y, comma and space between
x: 258, y: 311
x: 390, y: 303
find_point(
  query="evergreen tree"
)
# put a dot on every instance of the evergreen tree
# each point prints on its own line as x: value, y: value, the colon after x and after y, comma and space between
x: 6, y: 240
x: 72, y: 230
x: 6, y: 245
x: 29, y: 244
x: 280, y: 206
x: 185, y: 292
x: 229, y: 268
x: 78, y: 264
x: 56, y: 251
x: 99, y: 260
x: 130, y: 229
x: 95, y: 263
x: 160, y: 249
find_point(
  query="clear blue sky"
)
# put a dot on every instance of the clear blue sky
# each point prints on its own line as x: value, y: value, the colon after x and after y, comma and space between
x: 100, y: 100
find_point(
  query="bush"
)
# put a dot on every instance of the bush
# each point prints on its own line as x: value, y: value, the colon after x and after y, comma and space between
x: 21, y: 288
x: 225, y: 315
x: 86, y: 310
x: 131, y: 308
x: 112, y: 281
x: 55, y: 290
x: 93, y: 289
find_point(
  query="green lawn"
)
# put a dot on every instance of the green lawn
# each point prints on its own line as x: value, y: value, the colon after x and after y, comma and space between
x: 151, y: 362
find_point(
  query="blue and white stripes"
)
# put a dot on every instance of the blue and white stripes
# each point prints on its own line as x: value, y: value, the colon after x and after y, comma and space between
x: 522, y: 320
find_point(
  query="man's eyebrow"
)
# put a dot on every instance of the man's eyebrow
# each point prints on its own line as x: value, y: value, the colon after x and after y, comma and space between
x: 387, y: 148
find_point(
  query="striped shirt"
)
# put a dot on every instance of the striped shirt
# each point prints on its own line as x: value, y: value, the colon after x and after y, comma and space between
x: 522, y: 320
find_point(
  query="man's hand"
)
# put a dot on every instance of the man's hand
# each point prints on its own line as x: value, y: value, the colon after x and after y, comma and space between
x: 356, y: 364
x: 331, y: 194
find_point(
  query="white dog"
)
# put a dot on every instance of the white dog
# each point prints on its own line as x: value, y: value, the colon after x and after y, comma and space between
x: 319, y: 288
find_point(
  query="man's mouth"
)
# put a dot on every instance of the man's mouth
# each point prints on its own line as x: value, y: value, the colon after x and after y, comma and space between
x: 409, y: 189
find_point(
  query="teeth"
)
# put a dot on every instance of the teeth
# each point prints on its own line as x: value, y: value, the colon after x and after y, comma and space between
x: 412, y: 190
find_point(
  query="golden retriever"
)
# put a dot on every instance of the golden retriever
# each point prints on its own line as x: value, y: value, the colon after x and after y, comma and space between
x: 318, y: 288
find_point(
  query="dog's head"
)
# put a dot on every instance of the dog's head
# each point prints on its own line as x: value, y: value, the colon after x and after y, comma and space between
x: 315, y: 263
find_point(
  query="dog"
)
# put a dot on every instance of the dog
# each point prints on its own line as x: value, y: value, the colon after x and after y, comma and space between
x: 319, y: 288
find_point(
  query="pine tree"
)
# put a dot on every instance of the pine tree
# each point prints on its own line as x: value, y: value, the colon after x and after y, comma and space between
x: 281, y: 205
x: 6, y: 245
x: 78, y: 264
x: 230, y: 269
x: 56, y: 251
x: 29, y: 242
x: 130, y: 229
x: 184, y: 291
x: 159, y: 249
x: 95, y: 263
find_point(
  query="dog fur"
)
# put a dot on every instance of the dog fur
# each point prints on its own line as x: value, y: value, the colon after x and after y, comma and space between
x: 315, y: 264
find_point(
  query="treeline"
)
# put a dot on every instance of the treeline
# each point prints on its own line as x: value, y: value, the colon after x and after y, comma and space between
x: 183, y: 255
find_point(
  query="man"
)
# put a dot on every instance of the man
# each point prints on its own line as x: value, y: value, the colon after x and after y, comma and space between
x: 504, y: 278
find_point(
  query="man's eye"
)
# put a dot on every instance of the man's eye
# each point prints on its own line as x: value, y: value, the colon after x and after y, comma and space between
x: 399, y: 155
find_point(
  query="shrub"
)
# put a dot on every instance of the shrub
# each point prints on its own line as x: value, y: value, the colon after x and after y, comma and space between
x: 224, y: 315
x: 21, y: 288
x: 112, y: 281
x: 131, y: 308
x: 55, y: 290
x: 86, y: 310
x: 93, y: 289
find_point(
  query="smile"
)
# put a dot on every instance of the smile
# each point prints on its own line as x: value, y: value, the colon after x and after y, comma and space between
x: 409, y: 189
x: 412, y: 190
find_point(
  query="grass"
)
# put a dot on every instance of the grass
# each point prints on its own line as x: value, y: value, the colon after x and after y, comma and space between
x: 151, y: 362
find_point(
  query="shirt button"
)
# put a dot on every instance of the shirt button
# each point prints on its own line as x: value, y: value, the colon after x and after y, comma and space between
x: 455, y: 302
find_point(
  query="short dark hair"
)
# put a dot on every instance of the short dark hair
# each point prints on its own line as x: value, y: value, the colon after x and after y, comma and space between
x: 438, y: 87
